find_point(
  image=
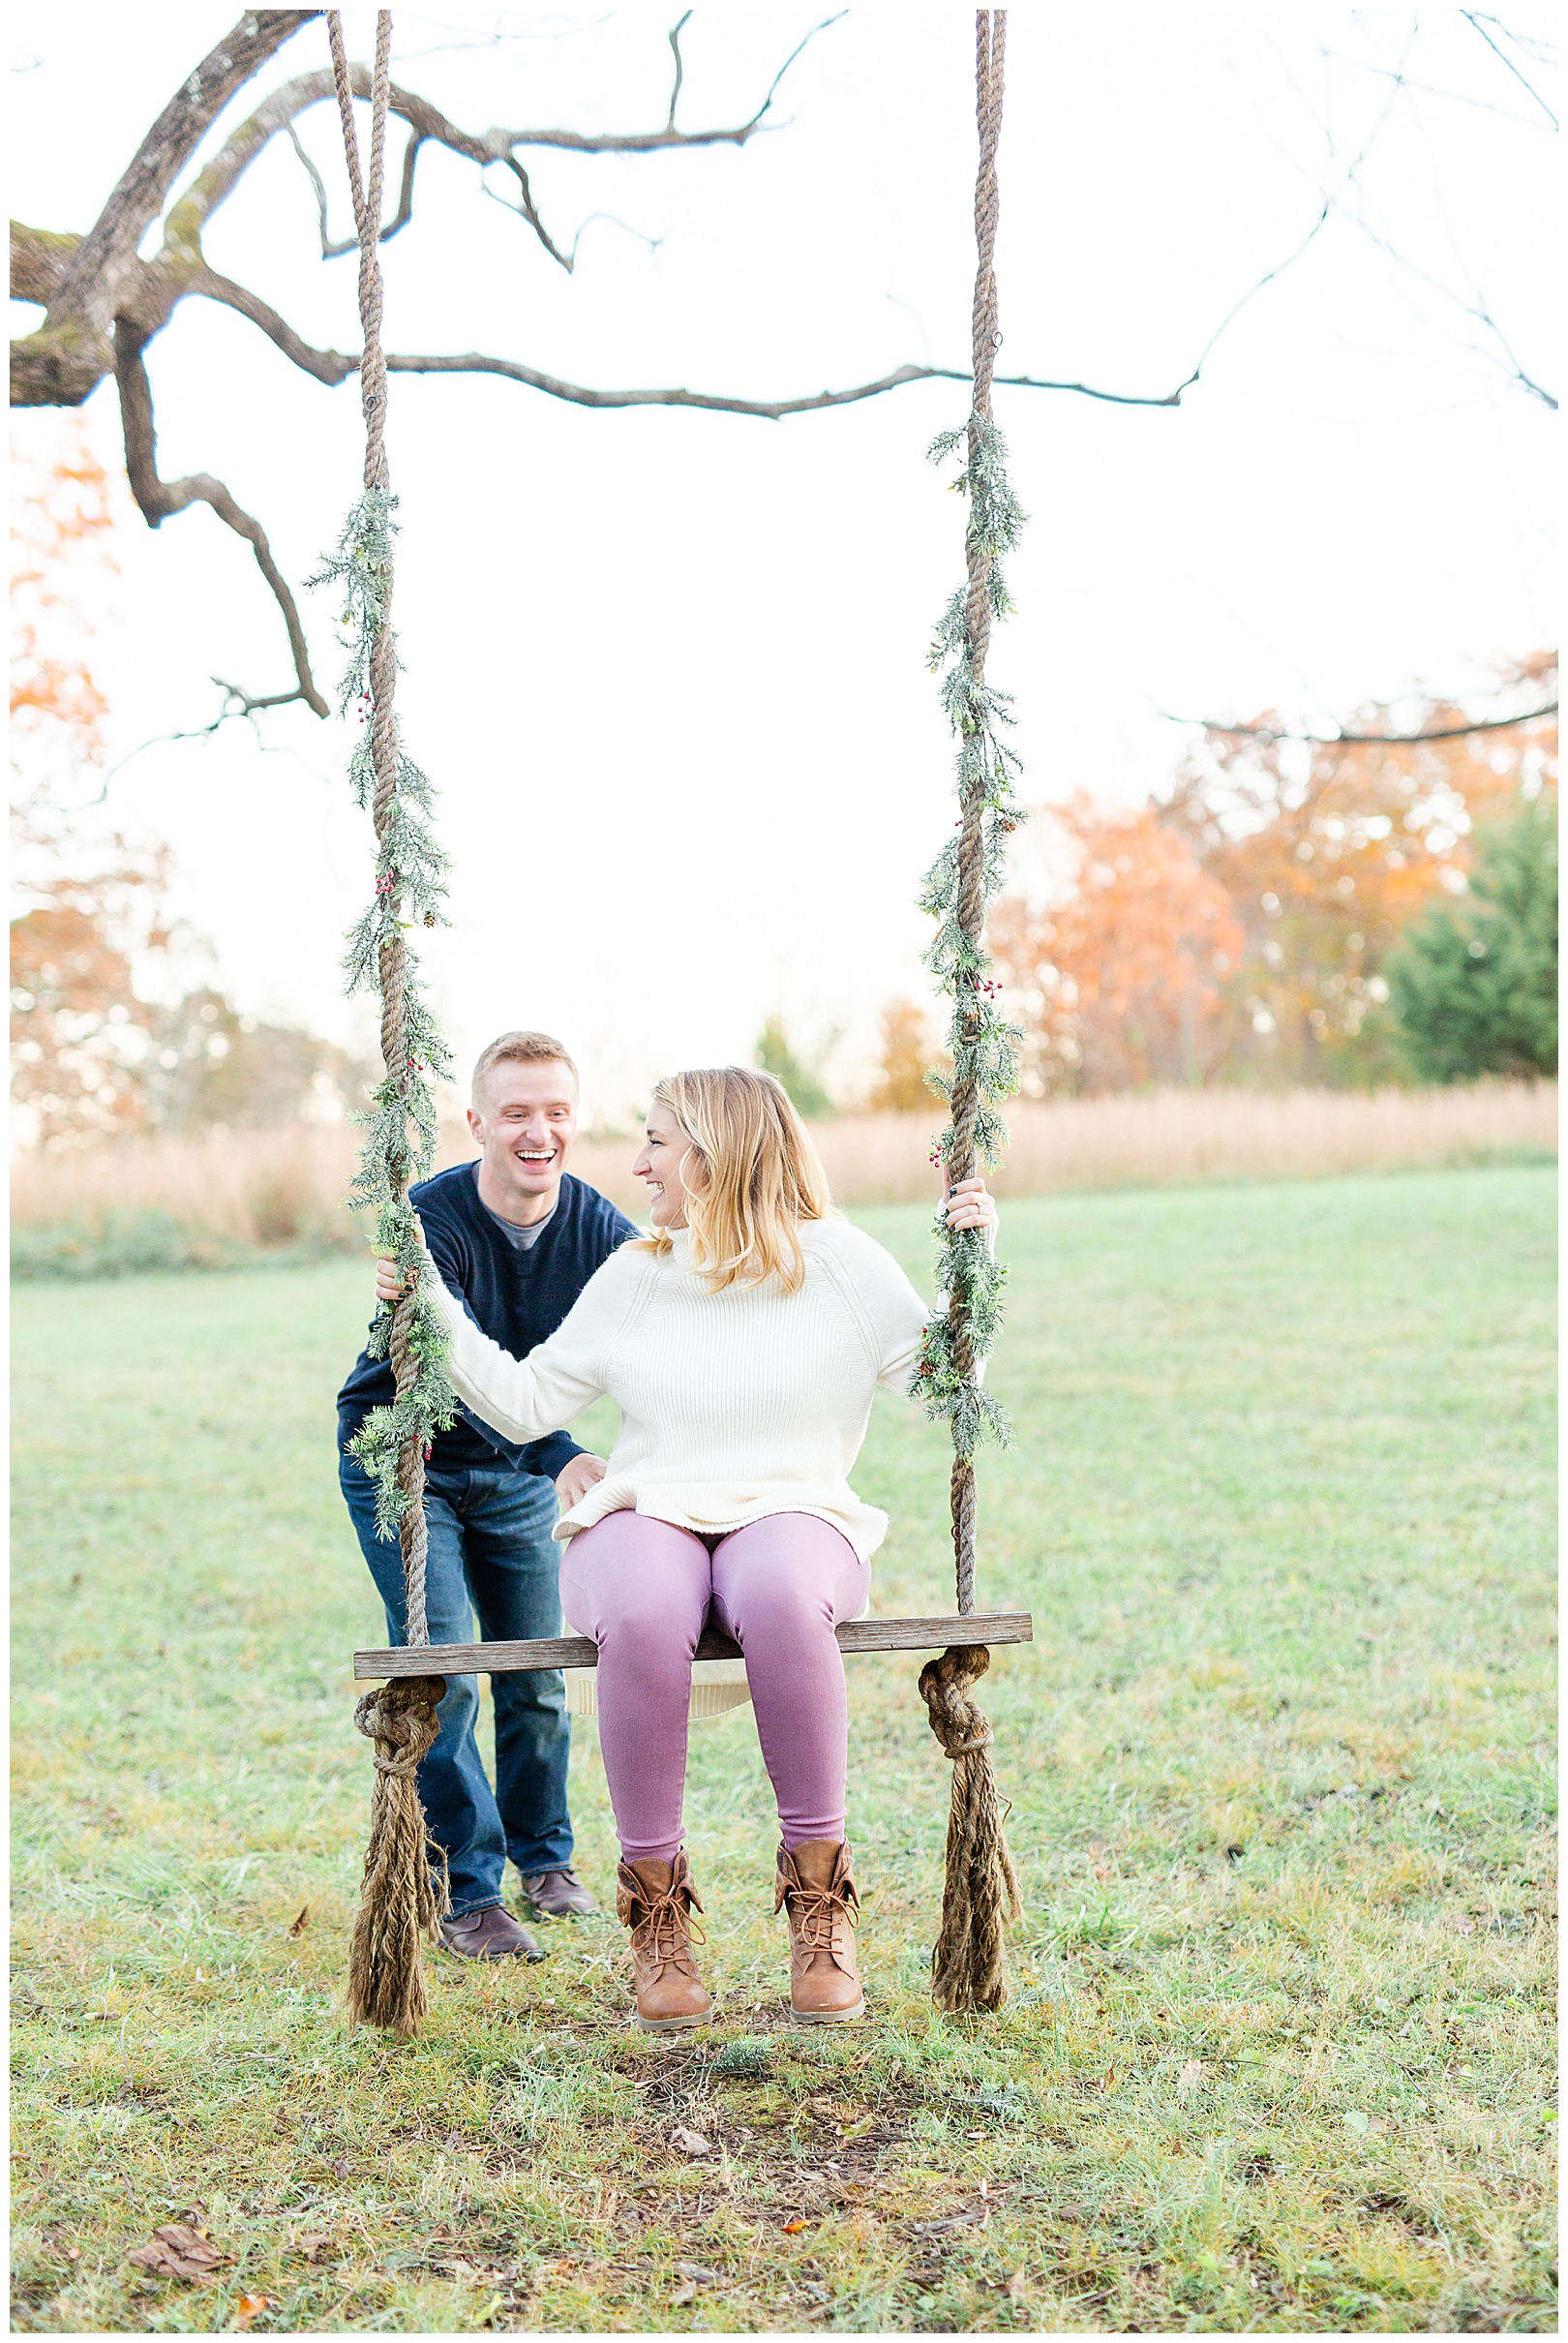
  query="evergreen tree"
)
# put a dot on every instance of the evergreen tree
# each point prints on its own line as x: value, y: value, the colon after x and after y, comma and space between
x: 778, y: 1055
x: 1475, y: 986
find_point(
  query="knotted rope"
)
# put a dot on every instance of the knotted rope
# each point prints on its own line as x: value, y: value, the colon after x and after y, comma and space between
x: 401, y: 1898
x: 981, y: 1887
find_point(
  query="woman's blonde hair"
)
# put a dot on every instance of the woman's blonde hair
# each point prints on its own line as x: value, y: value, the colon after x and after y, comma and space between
x: 751, y: 1174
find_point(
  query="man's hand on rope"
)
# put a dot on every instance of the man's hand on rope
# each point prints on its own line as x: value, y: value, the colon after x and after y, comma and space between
x: 388, y: 1277
x: 574, y: 1483
x: 970, y: 1205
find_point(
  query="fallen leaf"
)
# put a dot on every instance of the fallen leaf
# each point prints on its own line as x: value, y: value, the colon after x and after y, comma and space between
x: 683, y: 2294
x: 176, y: 2250
x: 316, y: 2249
x: 297, y: 1928
x: 689, y: 2142
x: 1015, y: 2284
x: 1191, y: 2076
x: 696, y: 2273
x: 249, y: 2308
x: 1356, y: 2121
x: 792, y: 2228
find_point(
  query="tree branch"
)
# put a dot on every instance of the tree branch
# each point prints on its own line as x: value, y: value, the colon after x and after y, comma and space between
x: 676, y: 31
x: 328, y: 366
x: 1363, y: 739
x: 236, y: 703
x: 78, y: 330
x: 39, y: 258
x: 160, y: 499
x: 772, y: 411
x: 216, y: 181
x: 400, y: 218
x: 1477, y: 25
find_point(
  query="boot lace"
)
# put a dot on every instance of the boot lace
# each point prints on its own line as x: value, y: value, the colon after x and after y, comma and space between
x: 666, y: 1930
x: 814, y: 1912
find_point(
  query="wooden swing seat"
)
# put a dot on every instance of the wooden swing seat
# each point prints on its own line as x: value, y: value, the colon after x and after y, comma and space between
x: 581, y: 1652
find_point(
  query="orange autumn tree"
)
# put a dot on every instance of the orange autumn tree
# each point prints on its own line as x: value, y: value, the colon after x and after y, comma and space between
x: 1238, y: 931
x: 1327, y: 850
x: 1122, y: 982
x: 906, y: 1052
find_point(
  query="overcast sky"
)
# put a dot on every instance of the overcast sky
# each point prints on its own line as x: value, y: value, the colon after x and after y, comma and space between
x: 668, y: 668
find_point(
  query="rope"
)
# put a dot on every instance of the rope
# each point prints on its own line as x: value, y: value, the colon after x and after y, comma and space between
x: 396, y: 1052
x: 402, y: 1897
x: 981, y: 1887
x: 990, y: 34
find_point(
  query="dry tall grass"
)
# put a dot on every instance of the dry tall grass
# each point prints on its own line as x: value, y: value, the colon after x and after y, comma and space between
x: 1178, y: 1137
x: 273, y: 1189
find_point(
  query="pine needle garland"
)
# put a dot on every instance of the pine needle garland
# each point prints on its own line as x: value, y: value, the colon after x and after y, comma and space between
x: 398, y: 1146
x: 984, y: 1042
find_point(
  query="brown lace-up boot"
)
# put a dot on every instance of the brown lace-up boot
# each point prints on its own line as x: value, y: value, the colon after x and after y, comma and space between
x: 816, y: 1887
x: 655, y: 1900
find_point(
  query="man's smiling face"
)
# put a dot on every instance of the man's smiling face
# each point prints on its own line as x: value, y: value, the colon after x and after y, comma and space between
x: 524, y: 1121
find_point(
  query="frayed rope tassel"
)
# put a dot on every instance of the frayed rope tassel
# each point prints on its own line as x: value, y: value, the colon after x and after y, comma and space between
x: 980, y: 1890
x: 401, y: 1897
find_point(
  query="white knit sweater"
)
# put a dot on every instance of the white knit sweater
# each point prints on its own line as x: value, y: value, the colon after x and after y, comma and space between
x: 733, y: 1405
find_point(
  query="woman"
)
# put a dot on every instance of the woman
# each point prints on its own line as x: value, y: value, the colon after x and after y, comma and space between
x: 743, y: 1342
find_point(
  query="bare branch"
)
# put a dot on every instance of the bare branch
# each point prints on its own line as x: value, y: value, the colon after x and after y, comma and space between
x: 676, y: 31
x: 1363, y: 739
x: 89, y: 279
x: 1455, y: 96
x: 400, y: 218
x: 771, y: 411
x: 282, y: 106
x: 160, y: 499
x: 1477, y: 25
x: 796, y: 51
x: 529, y: 210
x: 236, y: 702
x: 328, y: 366
x: 1477, y: 310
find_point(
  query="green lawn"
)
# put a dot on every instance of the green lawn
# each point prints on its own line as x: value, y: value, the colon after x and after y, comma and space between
x: 1278, y: 2054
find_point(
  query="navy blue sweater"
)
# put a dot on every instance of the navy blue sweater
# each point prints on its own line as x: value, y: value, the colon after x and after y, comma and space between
x: 516, y: 1297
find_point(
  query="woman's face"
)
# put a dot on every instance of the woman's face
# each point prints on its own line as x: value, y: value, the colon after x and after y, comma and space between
x: 661, y: 1160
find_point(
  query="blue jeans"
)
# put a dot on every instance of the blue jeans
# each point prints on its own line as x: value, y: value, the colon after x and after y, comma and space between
x: 492, y: 1556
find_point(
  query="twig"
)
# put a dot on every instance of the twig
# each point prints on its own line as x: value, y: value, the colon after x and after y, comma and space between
x: 1362, y: 739
x: 676, y: 31
x: 237, y: 701
x: 1476, y: 24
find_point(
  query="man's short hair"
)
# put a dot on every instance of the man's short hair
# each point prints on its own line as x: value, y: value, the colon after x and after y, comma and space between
x: 523, y: 1050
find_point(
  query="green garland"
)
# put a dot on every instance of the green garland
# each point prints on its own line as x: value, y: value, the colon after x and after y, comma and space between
x: 982, y: 1041
x: 410, y: 891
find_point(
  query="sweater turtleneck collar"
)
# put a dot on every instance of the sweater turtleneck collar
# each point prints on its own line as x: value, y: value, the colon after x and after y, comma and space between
x: 681, y: 1247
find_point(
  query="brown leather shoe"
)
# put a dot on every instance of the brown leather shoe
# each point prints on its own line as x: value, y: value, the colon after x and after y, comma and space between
x: 558, y: 1895
x: 816, y: 1887
x: 490, y: 1934
x: 655, y: 1900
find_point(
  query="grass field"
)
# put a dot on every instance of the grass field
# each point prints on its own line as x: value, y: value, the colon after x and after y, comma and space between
x: 1278, y: 2054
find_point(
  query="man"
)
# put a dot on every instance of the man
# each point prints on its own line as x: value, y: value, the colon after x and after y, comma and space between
x: 516, y: 1239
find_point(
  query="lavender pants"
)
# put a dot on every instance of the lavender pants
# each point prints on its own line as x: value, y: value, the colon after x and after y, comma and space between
x: 642, y: 1589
